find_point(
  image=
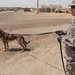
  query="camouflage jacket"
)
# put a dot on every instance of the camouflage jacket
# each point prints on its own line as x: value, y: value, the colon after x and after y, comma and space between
x: 70, y: 37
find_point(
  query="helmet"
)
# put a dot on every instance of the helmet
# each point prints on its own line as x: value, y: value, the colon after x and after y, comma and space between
x: 73, y: 3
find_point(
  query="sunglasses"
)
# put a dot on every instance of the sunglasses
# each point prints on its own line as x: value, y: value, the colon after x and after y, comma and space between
x: 72, y: 6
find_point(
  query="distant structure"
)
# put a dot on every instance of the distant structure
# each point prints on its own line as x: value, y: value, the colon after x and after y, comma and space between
x: 53, y: 8
x: 43, y: 8
x: 10, y: 8
x: 50, y: 8
x: 17, y: 8
x: 28, y: 9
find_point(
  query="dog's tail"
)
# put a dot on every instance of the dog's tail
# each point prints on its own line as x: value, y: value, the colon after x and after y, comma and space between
x: 25, y: 41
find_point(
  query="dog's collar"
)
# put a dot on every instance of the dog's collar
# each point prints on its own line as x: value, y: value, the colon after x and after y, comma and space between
x: 2, y: 34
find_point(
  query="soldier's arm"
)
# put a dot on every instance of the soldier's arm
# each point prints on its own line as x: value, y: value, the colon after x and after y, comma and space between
x: 61, y: 32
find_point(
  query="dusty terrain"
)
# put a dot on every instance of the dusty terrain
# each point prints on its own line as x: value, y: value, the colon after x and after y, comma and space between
x: 42, y: 56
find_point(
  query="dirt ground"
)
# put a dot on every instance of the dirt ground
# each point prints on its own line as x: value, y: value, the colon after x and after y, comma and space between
x: 42, y: 56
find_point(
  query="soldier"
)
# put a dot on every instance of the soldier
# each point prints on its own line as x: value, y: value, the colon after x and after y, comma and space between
x: 70, y: 44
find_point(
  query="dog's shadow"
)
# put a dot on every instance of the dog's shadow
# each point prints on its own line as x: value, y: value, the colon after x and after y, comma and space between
x: 19, y: 49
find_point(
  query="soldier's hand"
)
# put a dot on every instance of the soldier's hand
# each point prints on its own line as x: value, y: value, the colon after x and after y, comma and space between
x: 59, y: 32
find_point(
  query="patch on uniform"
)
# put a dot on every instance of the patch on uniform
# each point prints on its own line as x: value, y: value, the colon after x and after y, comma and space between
x: 69, y: 42
x: 73, y: 23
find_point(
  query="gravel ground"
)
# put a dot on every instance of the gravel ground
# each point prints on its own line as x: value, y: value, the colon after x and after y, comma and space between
x: 42, y: 56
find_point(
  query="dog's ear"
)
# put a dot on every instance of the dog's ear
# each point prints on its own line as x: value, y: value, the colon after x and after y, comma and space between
x: 1, y: 31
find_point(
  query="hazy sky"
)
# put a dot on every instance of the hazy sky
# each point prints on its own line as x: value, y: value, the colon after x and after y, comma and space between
x: 32, y: 3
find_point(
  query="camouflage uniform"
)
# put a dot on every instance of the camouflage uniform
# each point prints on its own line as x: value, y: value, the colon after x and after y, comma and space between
x: 70, y: 49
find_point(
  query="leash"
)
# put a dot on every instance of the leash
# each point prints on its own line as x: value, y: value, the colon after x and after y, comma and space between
x: 38, y: 34
x: 60, y: 42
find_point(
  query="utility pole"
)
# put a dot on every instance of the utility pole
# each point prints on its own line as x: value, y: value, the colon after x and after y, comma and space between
x: 37, y: 6
x: 51, y: 8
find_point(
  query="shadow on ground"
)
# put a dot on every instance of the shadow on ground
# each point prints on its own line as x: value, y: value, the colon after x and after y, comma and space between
x: 19, y: 49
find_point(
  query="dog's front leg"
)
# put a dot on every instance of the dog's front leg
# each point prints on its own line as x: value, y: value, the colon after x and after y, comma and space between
x: 4, y: 42
x: 5, y: 45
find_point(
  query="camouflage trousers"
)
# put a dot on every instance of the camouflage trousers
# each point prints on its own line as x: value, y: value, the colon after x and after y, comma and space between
x: 70, y: 60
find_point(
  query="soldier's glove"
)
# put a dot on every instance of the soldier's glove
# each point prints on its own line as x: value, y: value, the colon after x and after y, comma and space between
x: 59, y: 32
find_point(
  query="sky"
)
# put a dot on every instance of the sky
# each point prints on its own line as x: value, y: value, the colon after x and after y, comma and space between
x: 33, y: 3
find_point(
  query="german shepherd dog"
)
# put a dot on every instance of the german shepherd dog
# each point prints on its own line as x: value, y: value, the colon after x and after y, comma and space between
x: 9, y: 37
